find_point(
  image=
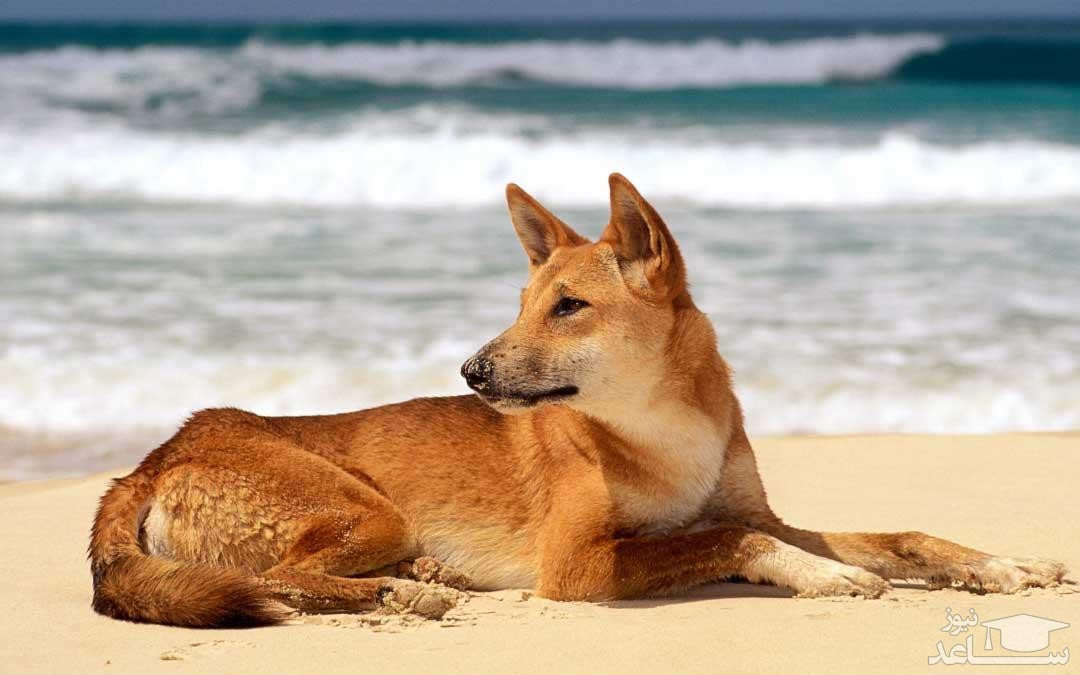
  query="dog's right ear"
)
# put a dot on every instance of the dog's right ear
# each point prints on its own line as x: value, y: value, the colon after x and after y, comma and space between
x: 538, y: 229
x: 638, y: 234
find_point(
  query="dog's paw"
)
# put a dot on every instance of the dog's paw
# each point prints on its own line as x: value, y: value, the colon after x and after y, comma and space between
x: 433, y: 571
x: 412, y: 597
x: 1004, y: 575
x: 832, y: 578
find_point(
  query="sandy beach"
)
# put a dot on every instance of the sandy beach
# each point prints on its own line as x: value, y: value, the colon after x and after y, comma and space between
x: 1010, y: 494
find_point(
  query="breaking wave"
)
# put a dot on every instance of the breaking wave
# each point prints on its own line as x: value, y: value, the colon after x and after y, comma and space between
x: 223, y: 79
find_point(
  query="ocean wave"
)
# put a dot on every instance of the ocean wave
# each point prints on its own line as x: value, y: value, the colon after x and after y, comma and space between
x: 181, y: 80
x: 174, y: 80
x: 386, y: 163
x: 218, y: 80
x: 622, y: 63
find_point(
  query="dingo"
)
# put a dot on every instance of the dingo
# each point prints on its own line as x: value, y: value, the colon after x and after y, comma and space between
x: 603, y: 457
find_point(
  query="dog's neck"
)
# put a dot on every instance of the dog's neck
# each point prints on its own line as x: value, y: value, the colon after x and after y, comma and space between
x: 661, y: 464
x: 663, y: 443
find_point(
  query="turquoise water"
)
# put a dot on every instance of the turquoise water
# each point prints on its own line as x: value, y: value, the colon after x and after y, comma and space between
x: 883, y: 220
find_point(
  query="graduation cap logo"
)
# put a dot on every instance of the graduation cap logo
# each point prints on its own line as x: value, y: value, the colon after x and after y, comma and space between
x: 1022, y: 632
x: 1017, y: 633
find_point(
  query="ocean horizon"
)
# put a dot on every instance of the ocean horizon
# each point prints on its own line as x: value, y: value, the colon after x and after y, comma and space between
x: 882, y: 218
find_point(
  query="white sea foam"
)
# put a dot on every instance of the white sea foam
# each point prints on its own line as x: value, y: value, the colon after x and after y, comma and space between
x: 68, y: 396
x: 377, y: 163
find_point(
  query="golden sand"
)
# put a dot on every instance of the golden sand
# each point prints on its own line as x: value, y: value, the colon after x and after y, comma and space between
x: 1007, y: 494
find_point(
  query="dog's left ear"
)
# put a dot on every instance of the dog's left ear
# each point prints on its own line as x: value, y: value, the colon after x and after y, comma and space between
x: 637, y: 233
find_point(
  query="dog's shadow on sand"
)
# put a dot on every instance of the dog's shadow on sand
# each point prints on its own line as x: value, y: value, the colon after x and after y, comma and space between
x: 745, y: 589
x: 720, y: 591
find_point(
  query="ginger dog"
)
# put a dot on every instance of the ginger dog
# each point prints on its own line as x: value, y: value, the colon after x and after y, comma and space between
x: 602, y: 457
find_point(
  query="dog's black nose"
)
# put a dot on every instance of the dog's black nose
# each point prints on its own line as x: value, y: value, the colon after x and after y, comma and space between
x: 477, y: 372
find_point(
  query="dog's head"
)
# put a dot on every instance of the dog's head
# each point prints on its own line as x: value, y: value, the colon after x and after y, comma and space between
x: 596, y: 320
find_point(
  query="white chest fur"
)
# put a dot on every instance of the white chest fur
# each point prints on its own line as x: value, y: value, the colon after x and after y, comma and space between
x: 683, y: 456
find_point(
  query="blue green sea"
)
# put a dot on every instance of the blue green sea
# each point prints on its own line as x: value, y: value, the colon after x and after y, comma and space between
x: 882, y: 218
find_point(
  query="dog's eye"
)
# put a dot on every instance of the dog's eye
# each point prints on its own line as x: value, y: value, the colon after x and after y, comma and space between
x: 568, y: 306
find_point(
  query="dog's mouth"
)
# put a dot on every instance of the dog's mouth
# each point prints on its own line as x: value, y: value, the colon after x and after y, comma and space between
x: 517, y: 400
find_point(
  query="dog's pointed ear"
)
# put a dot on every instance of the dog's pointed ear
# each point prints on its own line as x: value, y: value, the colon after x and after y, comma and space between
x: 637, y: 233
x: 538, y: 229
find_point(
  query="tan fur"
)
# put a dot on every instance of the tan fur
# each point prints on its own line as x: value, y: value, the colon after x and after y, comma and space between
x: 603, y: 458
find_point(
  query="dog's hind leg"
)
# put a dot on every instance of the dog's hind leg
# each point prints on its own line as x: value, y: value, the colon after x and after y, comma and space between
x: 312, y: 575
x: 293, y: 522
x: 313, y: 592
x: 427, y: 569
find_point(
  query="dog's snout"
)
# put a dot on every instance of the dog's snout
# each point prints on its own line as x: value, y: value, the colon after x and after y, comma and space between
x: 477, y: 372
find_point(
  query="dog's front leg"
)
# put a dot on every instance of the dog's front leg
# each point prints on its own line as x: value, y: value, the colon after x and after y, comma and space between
x: 616, y: 568
x: 914, y: 555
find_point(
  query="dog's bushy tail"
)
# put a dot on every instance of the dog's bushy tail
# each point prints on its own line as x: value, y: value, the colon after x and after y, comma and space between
x: 134, y: 586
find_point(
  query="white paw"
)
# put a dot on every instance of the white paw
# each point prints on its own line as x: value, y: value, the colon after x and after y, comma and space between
x: 1009, y: 575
